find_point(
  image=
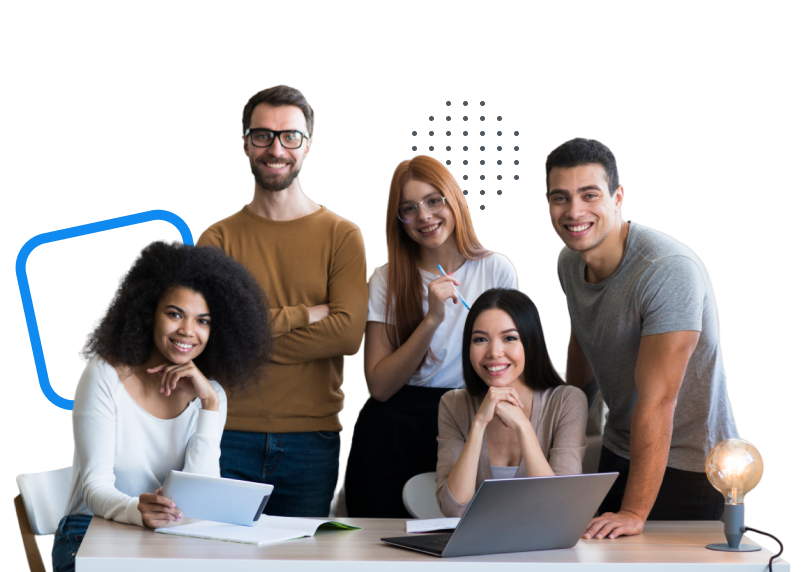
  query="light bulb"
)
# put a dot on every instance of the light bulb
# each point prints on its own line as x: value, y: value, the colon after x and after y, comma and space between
x: 734, y: 467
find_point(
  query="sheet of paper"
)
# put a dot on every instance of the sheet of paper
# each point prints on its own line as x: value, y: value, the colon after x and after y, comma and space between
x: 268, y: 530
x: 432, y: 524
x: 232, y: 532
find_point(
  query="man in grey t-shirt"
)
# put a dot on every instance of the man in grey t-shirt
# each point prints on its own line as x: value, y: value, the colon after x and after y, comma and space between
x: 645, y: 330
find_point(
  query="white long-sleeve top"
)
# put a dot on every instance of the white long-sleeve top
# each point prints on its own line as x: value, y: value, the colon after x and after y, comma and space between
x: 121, y: 451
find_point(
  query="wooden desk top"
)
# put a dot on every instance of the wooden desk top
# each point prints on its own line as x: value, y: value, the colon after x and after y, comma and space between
x: 110, y: 546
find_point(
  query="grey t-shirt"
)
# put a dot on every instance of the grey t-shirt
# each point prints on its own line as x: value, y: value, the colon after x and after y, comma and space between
x: 660, y: 286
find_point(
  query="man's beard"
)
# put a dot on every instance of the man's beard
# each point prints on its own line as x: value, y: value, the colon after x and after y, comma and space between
x: 270, y: 182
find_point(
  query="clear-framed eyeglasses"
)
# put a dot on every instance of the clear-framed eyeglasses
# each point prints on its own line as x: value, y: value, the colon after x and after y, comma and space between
x: 265, y: 137
x: 432, y: 204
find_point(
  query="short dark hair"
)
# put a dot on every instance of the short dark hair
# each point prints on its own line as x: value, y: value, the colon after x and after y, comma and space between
x: 277, y: 96
x: 539, y: 371
x: 240, y: 342
x: 577, y: 152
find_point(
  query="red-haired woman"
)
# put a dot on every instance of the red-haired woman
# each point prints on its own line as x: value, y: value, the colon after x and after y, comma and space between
x: 414, y: 333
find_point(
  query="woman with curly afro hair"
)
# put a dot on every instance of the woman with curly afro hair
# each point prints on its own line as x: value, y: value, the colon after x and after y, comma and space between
x: 147, y: 402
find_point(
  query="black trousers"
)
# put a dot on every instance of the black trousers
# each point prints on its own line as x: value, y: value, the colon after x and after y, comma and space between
x: 683, y: 495
x: 392, y: 442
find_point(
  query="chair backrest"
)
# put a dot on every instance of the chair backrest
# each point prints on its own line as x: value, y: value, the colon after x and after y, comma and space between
x: 419, y: 496
x: 45, y: 498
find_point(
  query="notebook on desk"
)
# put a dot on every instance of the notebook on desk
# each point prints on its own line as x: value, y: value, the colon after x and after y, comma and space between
x: 519, y: 515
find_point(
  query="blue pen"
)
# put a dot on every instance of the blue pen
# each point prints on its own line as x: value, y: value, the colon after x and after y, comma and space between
x: 459, y: 295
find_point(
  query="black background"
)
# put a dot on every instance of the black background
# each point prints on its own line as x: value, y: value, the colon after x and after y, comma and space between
x: 124, y: 149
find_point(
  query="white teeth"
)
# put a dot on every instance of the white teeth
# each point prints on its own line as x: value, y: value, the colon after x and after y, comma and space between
x: 430, y: 228
x: 579, y: 228
x: 181, y: 345
x: 275, y: 165
x: 496, y: 368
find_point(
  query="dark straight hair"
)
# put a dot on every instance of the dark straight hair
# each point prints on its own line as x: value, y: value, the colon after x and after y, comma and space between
x: 539, y: 372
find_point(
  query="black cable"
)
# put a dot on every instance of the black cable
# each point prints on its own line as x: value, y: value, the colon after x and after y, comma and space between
x: 770, y: 536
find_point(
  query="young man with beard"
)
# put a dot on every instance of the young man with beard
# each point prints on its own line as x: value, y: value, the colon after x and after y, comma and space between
x: 311, y: 264
x: 645, y: 330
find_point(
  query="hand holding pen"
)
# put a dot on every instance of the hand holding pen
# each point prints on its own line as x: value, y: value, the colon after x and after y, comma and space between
x: 439, y: 292
x: 459, y: 295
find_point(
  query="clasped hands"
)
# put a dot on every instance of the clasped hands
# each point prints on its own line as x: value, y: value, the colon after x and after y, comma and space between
x: 504, y: 404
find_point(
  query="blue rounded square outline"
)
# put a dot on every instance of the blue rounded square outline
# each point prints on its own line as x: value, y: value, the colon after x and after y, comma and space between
x: 73, y: 232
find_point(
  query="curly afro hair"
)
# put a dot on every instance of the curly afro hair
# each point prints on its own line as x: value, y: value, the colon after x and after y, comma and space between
x: 240, y: 342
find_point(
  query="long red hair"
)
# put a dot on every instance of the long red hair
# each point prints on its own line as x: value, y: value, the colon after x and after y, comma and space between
x: 404, y: 300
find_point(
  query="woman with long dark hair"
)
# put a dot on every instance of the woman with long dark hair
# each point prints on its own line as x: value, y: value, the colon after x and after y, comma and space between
x: 516, y: 417
x: 147, y: 403
x: 413, y: 334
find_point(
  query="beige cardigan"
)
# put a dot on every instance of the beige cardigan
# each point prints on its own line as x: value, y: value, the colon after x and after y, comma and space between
x: 559, y: 418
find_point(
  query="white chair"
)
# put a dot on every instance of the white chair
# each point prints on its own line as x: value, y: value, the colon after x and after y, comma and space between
x: 40, y: 506
x: 419, y: 496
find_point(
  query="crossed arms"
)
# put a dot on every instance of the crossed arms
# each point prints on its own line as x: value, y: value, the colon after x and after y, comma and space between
x: 303, y: 334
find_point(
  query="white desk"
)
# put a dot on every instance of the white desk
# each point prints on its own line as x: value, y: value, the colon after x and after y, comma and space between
x: 668, y: 546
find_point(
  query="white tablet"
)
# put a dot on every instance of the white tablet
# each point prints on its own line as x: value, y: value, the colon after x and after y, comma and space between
x: 212, y: 498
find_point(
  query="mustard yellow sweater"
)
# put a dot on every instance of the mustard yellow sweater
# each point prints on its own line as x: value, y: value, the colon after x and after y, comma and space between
x: 317, y: 259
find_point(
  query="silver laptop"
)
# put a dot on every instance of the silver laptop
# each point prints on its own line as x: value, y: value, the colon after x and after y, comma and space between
x: 519, y: 515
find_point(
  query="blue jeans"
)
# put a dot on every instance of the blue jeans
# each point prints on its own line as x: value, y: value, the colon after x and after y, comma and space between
x: 67, y: 540
x: 303, y: 467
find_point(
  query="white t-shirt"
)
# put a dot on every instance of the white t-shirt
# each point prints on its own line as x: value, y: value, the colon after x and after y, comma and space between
x: 122, y: 451
x: 475, y: 277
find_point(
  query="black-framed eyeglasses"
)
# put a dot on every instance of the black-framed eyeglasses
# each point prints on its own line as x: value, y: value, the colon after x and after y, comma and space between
x: 265, y: 137
x: 432, y: 204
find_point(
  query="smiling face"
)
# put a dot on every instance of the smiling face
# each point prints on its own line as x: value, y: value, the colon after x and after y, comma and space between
x: 581, y: 208
x: 496, y: 352
x: 426, y: 229
x: 181, y: 325
x: 275, y: 167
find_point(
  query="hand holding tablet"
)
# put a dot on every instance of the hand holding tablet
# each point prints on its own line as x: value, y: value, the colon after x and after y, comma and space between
x: 211, y: 498
x: 157, y: 510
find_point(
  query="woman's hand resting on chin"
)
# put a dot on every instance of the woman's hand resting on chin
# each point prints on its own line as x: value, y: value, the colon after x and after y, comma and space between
x: 189, y: 379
